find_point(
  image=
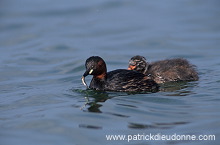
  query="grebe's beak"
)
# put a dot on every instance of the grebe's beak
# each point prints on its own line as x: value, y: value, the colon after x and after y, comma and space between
x: 88, y: 72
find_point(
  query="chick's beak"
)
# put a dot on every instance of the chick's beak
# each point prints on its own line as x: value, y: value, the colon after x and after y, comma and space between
x: 131, y: 67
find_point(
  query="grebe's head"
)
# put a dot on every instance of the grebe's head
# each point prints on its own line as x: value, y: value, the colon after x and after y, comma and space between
x: 95, y: 66
x: 138, y: 63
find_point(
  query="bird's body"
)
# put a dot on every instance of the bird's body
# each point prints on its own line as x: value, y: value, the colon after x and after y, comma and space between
x: 117, y: 80
x: 168, y: 70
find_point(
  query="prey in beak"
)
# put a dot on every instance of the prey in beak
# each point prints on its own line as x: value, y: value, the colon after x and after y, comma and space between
x: 84, y: 82
x: 88, y: 72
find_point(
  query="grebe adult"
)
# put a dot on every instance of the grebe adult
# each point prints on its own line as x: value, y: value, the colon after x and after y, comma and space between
x: 117, y: 80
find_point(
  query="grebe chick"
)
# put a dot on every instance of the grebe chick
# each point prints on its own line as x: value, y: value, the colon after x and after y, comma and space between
x: 168, y: 70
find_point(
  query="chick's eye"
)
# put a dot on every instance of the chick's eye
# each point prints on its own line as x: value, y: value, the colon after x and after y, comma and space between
x: 132, y: 63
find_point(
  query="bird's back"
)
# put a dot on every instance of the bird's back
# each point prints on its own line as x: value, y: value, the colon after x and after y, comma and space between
x: 127, y: 80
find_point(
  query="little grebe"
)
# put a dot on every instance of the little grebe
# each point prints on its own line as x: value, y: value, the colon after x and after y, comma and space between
x: 163, y: 71
x: 118, y: 80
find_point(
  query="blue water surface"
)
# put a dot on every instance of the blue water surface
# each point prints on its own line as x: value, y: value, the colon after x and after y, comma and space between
x: 44, y: 45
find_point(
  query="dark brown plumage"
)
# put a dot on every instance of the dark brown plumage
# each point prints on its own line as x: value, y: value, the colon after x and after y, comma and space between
x: 118, y: 80
x: 163, y: 71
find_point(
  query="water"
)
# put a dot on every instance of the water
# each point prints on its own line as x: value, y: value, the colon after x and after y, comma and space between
x: 44, y: 45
